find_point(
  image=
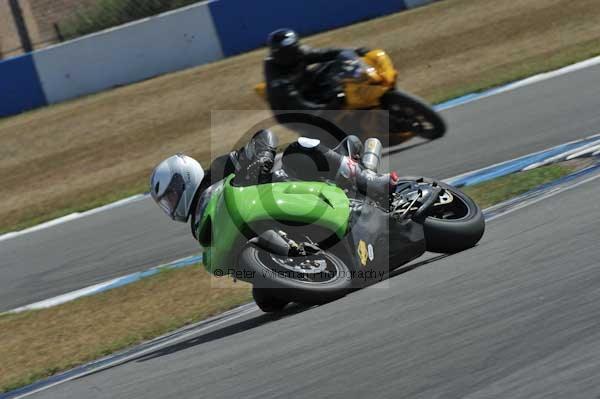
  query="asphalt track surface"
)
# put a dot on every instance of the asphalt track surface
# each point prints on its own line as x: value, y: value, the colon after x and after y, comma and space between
x: 515, y: 317
x: 137, y: 236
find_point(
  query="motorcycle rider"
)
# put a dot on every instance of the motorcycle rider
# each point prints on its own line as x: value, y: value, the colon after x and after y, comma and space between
x: 287, y: 77
x: 178, y: 182
x: 181, y: 188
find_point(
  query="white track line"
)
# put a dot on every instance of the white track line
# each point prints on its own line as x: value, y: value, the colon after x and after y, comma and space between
x: 569, y: 154
x: 528, y: 81
x: 97, y: 288
x: 542, y: 197
x: 73, y: 216
x: 585, y: 151
x: 449, y: 180
x: 502, y: 89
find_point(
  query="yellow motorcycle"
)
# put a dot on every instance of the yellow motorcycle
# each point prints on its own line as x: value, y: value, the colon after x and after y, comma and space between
x: 369, y: 82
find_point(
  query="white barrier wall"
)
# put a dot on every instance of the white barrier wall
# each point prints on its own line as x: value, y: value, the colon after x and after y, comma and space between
x: 129, y: 53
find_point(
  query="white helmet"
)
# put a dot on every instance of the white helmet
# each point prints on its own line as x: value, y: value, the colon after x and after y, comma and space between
x: 174, y: 183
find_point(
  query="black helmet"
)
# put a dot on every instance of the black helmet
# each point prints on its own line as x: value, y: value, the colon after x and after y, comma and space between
x: 285, y: 46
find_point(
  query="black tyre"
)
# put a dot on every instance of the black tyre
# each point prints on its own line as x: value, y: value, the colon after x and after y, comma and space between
x: 267, y: 301
x: 409, y: 113
x: 311, y: 279
x: 456, y: 226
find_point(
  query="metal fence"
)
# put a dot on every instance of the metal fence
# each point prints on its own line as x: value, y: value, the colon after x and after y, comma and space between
x: 108, y: 13
x: 27, y: 25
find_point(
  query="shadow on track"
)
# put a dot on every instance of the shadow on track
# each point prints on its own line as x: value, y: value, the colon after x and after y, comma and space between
x: 256, y: 321
x: 236, y: 328
x: 207, y: 337
x: 224, y: 332
x: 412, y: 266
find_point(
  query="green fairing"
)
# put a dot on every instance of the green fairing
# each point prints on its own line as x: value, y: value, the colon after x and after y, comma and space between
x: 231, y: 209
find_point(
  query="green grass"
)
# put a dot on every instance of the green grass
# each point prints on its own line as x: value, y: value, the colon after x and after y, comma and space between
x: 501, y: 189
x: 108, y: 13
x: 37, y: 344
x: 535, y: 66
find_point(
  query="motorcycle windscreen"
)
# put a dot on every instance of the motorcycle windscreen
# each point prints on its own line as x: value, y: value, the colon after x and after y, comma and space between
x: 203, y: 234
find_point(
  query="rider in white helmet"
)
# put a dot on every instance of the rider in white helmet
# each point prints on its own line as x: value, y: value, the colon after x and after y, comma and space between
x: 181, y: 188
x: 177, y: 182
x: 174, y: 184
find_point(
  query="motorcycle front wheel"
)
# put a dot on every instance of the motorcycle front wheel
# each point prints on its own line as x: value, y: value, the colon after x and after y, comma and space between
x: 313, y: 279
x: 456, y: 226
x: 411, y: 114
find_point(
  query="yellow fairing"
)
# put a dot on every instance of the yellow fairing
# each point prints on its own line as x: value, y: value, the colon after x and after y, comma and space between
x: 380, y: 78
x: 383, y: 65
x: 364, y: 93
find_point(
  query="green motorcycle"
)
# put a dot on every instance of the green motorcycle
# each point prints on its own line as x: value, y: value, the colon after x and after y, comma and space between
x: 312, y: 242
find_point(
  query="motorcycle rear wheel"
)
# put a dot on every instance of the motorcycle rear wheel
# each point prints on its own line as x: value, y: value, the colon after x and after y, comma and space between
x: 409, y: 113
x: 270, y: 272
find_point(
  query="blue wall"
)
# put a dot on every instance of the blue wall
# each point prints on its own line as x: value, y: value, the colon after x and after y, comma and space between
x: 20, y: 87
x: 243, y: 25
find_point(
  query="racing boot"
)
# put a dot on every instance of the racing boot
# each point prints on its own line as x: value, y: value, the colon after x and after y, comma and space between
x: 377, y: 186
x: 254, y: 162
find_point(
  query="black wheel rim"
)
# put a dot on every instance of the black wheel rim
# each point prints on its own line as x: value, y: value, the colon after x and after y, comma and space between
x: 456, y: 210
x: 312, y: 269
